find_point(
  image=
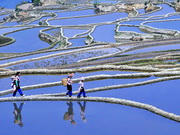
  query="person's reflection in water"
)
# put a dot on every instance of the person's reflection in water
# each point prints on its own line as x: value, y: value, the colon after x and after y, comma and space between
x: 17, y: 114
x: 82, y: 111
x: 70, y: 114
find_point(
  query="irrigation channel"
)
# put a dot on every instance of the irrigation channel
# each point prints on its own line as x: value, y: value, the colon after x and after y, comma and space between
x: 127, y: 52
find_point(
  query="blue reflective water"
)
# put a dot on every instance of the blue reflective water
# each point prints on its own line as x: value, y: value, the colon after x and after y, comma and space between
x: 133, y: 22
x: 141, y: 11
x: 63, y: 59
x: 89, y: 20
x: 134, y: 29
x: 72, y: 32
x: 108, y: 33
x: 165, y: 25
x: 78, y: 42
x: 157, y: 48
x: 59, y: 89
x: 11, y: 3
x: 104, y: 1
x: 38, y: 79
x: 164, y: 95
x: 29, y: 56
x: 98, y: 117
x: 37, y: 22
x: 165, y: 10
x: 12, y: 23
x: 75, y: 13
x: 2, y: 16
x: 47, y: 118
x: 172, y: 17
x: 6, y: 30
x: 26, y: 41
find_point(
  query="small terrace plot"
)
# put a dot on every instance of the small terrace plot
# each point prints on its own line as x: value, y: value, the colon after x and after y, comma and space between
x: 168, y: 24
x: 88, y: 20
x: 32, y: 42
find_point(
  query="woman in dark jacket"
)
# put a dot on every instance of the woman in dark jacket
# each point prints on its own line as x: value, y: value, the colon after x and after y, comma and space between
x: 17, y: 84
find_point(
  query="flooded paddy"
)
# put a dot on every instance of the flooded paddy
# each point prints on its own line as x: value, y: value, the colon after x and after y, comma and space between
x: 157, y: 48
x: 128, y: 116
x: 75, y: 13
x: 20, y: 46
x: 72, y: 32
x: 125, y: 28
x: 108, y: 33
x: 77, y: 42
x: 89, y: 20
x: 131, y: 76
x: 165, y: 25
x: 10, y: 29
x: 63, y: 60
x: 165, y: 10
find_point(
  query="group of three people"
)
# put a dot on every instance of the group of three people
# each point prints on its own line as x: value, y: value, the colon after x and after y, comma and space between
x: 16, y: 85
x: 81, y: 86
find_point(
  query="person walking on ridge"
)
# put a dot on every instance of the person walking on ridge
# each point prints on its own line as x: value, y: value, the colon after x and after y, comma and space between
x: 81, y: 88
x: 16, y: 82
x: 69, y: 85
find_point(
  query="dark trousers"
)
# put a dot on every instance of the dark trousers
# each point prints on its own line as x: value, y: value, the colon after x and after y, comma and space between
x: 69, y: 88
x: 82, y: 91
x: 19, y: 90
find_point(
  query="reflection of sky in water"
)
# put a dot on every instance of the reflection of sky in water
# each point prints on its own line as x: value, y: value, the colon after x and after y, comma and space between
x: 30, y: 80
x: 63, y: 60
x: 165, y: 10
x: 158, y: 48
x: 154, y: 94
x: 54, y: 32
x: 115, y: 119
x: 2, y: 16
x: 149, y: 94
x: 5, y: 30
x: 11, y: 3
x: 66, y: 32
x: 75, y: 13
x: 166, y: 25
x: 108, y: 33
x: 12, y: 23
x: 88, y: 20
x: 172, y: 17
x: 141, y: 11
x: 78, y: 42
x: 56, y: 10
x: 133, y: 22
x: 104, y: 1
x: 100, y: 117
x: 43, y: 18
x: 29, y: 57
x: 72, y: 32
x: 125, y: 28
x: 26, y: 41
x: 38, y: 79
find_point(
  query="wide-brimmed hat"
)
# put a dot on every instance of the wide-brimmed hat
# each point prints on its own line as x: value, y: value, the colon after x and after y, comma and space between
x: 71, y: 74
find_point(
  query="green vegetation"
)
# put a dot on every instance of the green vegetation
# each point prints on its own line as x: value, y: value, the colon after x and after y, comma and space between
x: 4, y: 40
x: 36, y: 2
